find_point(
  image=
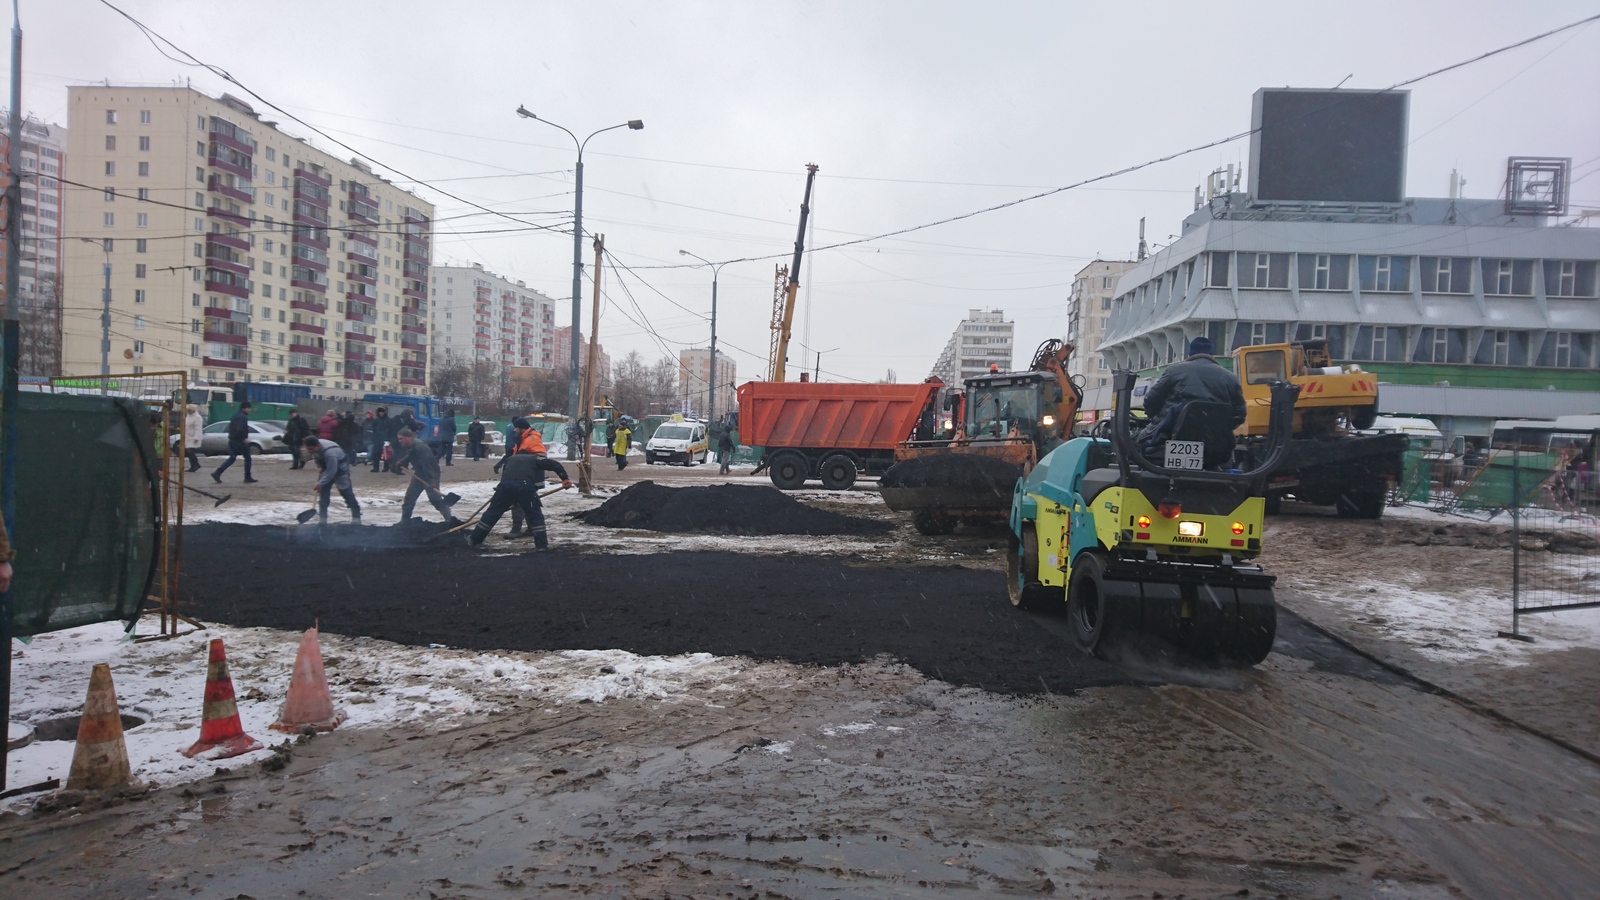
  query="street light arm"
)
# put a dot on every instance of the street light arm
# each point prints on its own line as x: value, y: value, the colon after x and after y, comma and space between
x: 523, y: 112
x: 634, y: 124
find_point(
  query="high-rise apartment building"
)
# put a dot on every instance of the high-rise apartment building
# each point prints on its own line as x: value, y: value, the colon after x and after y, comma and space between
x: 44, y: 149
x: 1087, y: 311
x: 982, y: 339
x: 694, y: 372
x: 562, y: 355
x: 479, y: 316
x: 237, y: 251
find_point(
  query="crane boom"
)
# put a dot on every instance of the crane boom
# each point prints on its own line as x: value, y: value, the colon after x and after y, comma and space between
x: 780, y: 353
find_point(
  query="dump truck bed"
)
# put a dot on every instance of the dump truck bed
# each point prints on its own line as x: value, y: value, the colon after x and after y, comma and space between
x: 812, y: 415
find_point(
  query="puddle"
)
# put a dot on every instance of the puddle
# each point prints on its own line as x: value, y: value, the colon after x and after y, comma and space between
x: 65, y: 728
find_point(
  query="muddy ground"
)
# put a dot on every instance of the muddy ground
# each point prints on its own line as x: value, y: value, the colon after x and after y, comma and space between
x: 886, y: 735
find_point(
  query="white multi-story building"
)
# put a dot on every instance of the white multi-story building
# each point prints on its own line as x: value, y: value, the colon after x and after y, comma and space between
x: 1087, y: 311
x: 983, y: 339
x: 479, y: 316
x: 44, y: 150
x: 694, y: 371
x: 225, y: 238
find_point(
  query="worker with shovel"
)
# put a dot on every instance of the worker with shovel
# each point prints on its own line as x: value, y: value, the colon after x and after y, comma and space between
x: 521, y: 477
x: 335, y: 468
x: 416, y: 459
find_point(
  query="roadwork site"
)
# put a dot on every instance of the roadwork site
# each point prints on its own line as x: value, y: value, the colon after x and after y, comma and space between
x: 693, y: 712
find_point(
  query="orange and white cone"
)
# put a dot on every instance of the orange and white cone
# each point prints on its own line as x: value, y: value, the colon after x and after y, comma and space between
x: 309, y: 703
x: 221, y: 734
x: 100, y: 760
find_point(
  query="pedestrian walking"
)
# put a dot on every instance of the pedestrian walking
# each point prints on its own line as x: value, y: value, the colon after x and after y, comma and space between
x: 238, y: 444
x: 623, y: 442
x: 518, y: 490
x: 725, y: 450
x: 475, y: 434
x: 294, y: 435
x: 418, y: 457
x: 447, y: 436
x: 381, y: 435
x: 335, y: 468
x: 347, y: 434
x: 193, y: 427
x: 326, y: 426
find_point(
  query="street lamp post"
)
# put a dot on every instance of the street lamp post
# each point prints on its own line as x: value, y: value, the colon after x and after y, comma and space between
x: 817, y: 376
x: 577, y: 272
x: 711, y: 377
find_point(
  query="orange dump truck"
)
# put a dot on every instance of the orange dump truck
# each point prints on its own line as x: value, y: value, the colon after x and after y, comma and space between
x: 832, y: 431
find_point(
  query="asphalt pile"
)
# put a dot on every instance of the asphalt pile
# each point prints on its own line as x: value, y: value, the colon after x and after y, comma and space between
x: 722, y: 509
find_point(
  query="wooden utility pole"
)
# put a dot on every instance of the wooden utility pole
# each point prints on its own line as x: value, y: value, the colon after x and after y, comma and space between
x: 585, y: 470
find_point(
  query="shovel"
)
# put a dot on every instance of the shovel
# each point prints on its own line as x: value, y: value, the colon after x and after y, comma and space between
x: 473, y: 519
x: 450, y: 499
x: 306, y: 516
x: 220, y: 500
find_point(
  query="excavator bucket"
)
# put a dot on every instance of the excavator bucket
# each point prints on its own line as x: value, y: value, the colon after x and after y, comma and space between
x: 942, y: 487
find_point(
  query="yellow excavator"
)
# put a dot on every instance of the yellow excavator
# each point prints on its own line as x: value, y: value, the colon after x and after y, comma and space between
x: 1002, y: 424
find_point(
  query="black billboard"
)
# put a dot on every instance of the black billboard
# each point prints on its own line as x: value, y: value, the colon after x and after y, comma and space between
x: 1328, y: 146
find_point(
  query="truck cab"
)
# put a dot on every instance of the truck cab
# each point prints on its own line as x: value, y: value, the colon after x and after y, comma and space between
x: 1329, y: 393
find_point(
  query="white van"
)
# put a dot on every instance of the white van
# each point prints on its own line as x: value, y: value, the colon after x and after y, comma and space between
x: 678, y: 441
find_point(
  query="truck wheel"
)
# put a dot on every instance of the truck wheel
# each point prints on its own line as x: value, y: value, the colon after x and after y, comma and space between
x: 1361, y: 503
x: 788, y: 471
x: 1087, y: 610
x: 1022, y: 571
x: 838, y: 472
x: 932, y: 524
x: 1274, y: 504
x: 1364, y: 417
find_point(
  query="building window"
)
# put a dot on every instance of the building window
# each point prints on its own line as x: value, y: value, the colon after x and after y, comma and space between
x: 1379, y: 344
x: 138, y: 294
x: 110, y: 194
x: 272, y: 156
x: 1569, y: 278
x: 138, y: 323
x: 144, y: 117
x: 144, y: 193
x: 139, y: 270
x: 1219, y: 270
x: 111, y: 117
x: 1263, y: 270
x: 144, y: 220
x: 111, y: 142
x: 111, y: 167
x: 111, y: 219
x: 1385, y: 273
x: 1324, y: 272
x: 1249, y: 334
x: 144, y: 142
x: 1502, y: 348
x: 139, y: 246
x: 1441, y: 345
x: 1566, y: 350
x: 144, y: 170
x: 199, y: 175
x: 1508, y: 277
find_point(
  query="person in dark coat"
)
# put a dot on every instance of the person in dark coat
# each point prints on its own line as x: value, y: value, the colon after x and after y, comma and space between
x: 1199, y: 377
x: 238, y: 444
x: 294, y: 435
x: 404, y: 420
x: 447, y: 436
x: 520, y: 481
x: 347, y: 434
x: 725, y: 450
x: 475, y: 435
x: 381, y: 435
x: 418, y: 457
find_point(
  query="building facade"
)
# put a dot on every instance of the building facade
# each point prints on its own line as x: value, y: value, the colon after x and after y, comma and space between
x: 694, y: 373
x: 1087, y: 312
x: 44, y: 150
x: 237, y: 251
x: 479, y: 316
x: 1434, y: 292
x: 983, y: 338
x: 561, y: 353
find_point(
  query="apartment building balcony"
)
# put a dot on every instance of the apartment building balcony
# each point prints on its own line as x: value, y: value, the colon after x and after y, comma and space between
x: 233, y: 214
x: 306, y: 213
x: 416, y: 251
x: 229, y: 160
x: 309, y: 302
x: 409, y: 341
x: 231, y: 186
x: 231, y: 283
x: 306, y: 327
x: 417, y: 380
x: 228, y: 134
x: 228, y: 259
x: 359, y: 353
x: 217, y: 362
x: 359, y: 337
x: 359, y: 309
x: 305, y: 348
x: 310, y: 257
x: 361, y: 209
x: 314, y: 235
x: 317, y: 177
x: 362, y: 273
x: 226, y: 240
x: 315, y: 371
x: 312, y: 193
x: 308, y: 284
x: 226, y: 337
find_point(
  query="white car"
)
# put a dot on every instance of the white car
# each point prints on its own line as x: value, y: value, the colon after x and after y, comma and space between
x: 678, y: 442
x: 265, y: 437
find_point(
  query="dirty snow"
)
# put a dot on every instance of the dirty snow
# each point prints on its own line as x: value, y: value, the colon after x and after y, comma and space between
x: 378, y: 684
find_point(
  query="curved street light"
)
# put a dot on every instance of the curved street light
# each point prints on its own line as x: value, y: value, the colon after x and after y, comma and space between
x: 577, y: 269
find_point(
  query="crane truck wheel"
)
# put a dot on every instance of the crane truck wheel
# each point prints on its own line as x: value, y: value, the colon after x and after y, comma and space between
x: 932, y: 523
x: 1022, y: 567
x: 1363, y: 502
x: 788, y: 471
x: 838, y: 472
x: 1089, y: 611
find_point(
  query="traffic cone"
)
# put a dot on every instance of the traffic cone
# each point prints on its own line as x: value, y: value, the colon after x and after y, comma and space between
x: 100, y: 760
x: 221, y: 734
x: 309, y: 704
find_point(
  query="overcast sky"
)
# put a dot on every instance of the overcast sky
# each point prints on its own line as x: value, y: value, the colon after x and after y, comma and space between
x: 914, y: 110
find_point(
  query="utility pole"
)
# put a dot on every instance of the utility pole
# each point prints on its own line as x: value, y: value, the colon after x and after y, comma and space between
x: 585, y: 470
x: 105, y: 329
x: 11, y: 343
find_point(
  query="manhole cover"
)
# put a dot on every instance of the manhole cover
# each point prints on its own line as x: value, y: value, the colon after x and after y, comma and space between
x: 66, y: 727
